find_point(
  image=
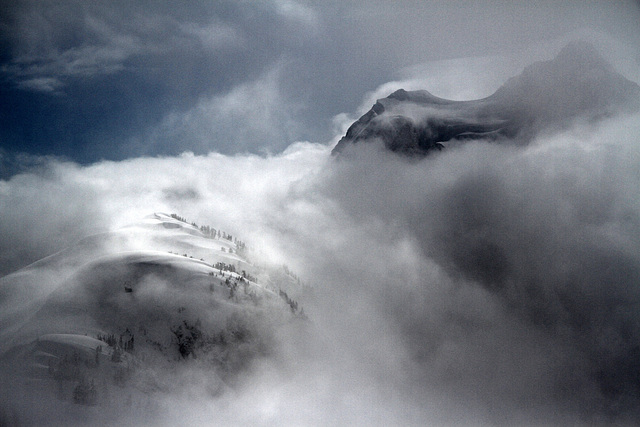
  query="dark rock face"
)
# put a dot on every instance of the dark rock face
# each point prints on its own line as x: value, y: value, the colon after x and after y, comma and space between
x: 576, y: 83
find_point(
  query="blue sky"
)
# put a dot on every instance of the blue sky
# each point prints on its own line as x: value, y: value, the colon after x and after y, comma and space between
x: 89, y: 80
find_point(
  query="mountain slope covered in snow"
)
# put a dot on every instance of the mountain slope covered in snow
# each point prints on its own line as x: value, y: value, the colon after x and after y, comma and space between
x: 98, y: 322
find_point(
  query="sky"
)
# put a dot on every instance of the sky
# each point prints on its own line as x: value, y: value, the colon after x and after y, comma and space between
x: 488, y: 284
x: 87, y: 81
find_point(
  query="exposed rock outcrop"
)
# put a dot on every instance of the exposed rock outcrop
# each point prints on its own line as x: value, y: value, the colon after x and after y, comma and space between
x: 578, y: 82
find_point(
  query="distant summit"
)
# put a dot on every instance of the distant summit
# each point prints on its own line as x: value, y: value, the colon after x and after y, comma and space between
x: 578, y: 82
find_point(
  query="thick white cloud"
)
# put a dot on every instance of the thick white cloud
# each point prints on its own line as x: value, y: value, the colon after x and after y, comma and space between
x: 448, y: 290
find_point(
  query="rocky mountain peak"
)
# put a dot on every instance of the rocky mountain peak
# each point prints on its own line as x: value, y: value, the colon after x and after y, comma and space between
x: 578, y: 82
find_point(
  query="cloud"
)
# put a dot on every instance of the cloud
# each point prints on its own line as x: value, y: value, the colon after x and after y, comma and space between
x: 125, y: 70
x: 42, y: 84
x: 214, y: 36
x: 117, y: 193
x: 297, y: 11
x: 73, y: 40
x: 539, y: 234
x: 253, y: 114
x: 105, y: 42
x: 51, y: 225
x: 448, y: 290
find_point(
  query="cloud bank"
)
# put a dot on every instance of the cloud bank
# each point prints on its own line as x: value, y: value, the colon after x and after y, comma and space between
x: 486, y: 284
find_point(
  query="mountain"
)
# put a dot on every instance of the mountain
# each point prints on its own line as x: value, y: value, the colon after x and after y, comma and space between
x: 96, y: 323
x: 578, y: 82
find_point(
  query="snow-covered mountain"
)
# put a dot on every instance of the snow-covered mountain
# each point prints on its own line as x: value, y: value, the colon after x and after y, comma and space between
x: 578, y: 82
x: 96, y: 323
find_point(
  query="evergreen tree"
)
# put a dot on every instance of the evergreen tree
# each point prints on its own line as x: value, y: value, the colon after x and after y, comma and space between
x: 98, y: 352
x: 85, y: 393
x: 116, y: 356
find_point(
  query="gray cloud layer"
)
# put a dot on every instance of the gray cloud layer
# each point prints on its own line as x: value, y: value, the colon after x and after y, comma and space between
x: 485, y: 284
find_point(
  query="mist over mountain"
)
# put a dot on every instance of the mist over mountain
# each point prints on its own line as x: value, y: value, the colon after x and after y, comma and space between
x: 495, y: 283
x: 578, y: 82
x: 119, y: 318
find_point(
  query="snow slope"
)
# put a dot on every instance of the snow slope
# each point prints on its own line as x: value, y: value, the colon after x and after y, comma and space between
x: 149, y: 292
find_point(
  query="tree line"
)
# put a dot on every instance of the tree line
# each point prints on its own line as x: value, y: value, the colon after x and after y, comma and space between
x: 211, y: 232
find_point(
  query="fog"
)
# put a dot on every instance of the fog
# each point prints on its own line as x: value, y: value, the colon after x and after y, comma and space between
x: 484, y: 284
x: 490, y: 283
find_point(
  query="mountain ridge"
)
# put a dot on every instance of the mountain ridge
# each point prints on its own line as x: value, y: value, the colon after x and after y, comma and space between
x: 71, y: 321
x: 578, y: 82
